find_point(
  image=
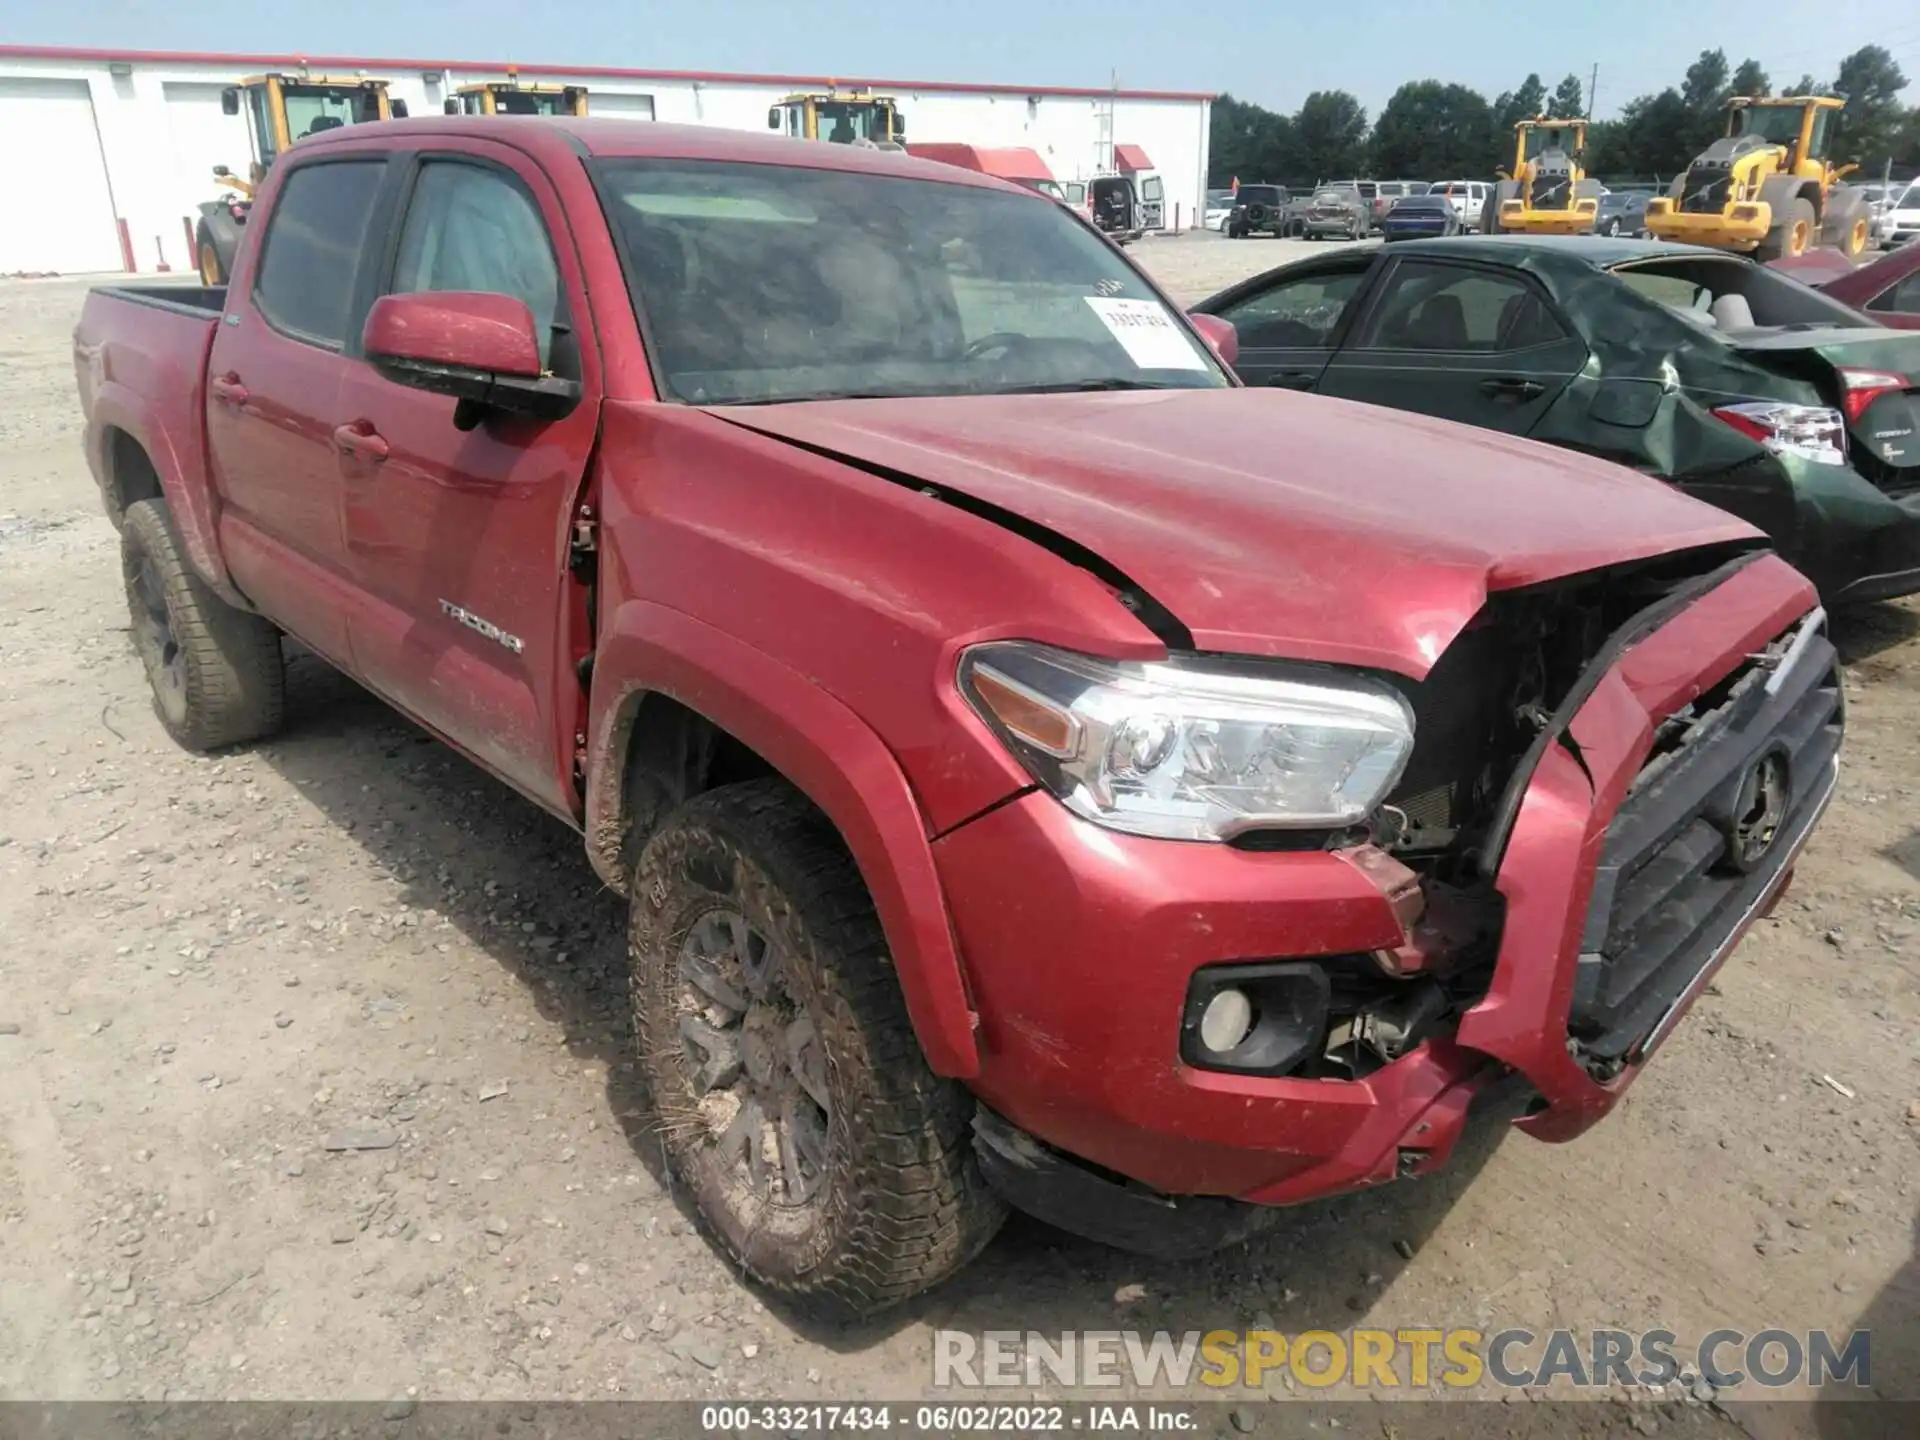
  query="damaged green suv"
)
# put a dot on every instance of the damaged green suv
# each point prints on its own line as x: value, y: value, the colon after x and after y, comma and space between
x: 1736, y: 384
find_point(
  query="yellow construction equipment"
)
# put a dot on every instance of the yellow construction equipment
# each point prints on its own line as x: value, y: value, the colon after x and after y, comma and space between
x: 1547, y: 192
x: 1767, y: 187
x: 280, y: 109
x: 512, y: 98
x: 844, y: 117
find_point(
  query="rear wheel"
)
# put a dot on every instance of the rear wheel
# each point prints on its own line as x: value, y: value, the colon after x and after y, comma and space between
x: 1612, y: 227
x: 216, y: 671
x: 1792, y: 236
x: 790, y: 1092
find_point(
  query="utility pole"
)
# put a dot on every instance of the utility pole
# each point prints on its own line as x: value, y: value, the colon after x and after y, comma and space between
x: 1592, y: 86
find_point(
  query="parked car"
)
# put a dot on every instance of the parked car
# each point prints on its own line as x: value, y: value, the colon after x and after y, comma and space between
x: 1417, y: 216
x: 1468, y: 198
x: 1336, y: 212
x: 1886, y: 291
x: 1219, y: 209
x: 1388, y: 193
x: 1902, y: 223
x: 1622, y: 212
x: 1041, y: 770
x: 1790, y: 410
x: 1258, y: 210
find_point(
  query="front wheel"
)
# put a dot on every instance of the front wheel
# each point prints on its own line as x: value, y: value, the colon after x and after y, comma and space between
x: 1792, y: 236
x: 790, y: 1093
x: 207, y: 257
x: 1612, y: 227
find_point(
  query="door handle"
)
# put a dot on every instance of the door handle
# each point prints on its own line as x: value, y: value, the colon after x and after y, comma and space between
x: 1512, y: 387
x: 1295, y: 379
x: 227, y: 389
x: 360, y: 440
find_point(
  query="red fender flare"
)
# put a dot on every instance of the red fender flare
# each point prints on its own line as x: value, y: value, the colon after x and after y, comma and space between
x: 826, y: 751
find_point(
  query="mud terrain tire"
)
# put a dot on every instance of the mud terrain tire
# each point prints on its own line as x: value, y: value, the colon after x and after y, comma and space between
x: 747, y: 892
x: 217, y: 673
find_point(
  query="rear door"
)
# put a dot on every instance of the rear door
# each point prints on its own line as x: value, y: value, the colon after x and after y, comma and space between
x: 273, y: 377
x: 1289, y: 323
x: 459, y: 539
x: 1476, y: 343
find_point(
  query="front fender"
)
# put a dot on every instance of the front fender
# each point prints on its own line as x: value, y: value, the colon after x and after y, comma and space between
x: 824, y: 749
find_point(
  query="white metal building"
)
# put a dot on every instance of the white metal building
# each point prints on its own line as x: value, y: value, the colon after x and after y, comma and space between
x: 105, y: 156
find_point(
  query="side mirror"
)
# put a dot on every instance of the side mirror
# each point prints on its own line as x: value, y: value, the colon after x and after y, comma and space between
x: 230, y: 101
x: 450, y: 105
x: 476, y: 346
x: 899, y: 126
x: 221, y: 172
x: 773, y: 118
x: 398, y: 108
x: 1220, y: 336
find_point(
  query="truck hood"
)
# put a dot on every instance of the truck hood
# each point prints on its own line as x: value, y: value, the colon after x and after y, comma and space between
x: 1271, y: 523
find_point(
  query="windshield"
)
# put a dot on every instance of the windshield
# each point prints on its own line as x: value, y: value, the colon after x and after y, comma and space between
x: 313, y: 109
x: 529, y: 102
x: 761, y: 283
x: 1776, y: 124
x: 1549, y: 137
x: 844, y: 122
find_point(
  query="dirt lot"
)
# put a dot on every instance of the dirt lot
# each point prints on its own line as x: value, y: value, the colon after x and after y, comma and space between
x: 213, y: 967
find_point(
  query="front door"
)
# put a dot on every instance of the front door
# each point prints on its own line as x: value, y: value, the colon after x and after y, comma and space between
x: 1478, y: 344
x: 460, y: 540
x: 1288, y: 325
x: 275, y: 370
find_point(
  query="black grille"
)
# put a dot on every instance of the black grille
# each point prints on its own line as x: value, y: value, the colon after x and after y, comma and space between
x: 1706, y: 189
x: 1550, y: 191
x: 1684, y: 862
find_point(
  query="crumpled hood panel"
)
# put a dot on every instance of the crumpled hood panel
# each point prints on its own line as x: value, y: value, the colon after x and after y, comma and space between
x: 1270, y: 523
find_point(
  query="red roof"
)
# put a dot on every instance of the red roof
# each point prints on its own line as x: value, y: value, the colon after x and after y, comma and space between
x: 1131, y: 158
x: 80, y: 54
x: 1010, y: 163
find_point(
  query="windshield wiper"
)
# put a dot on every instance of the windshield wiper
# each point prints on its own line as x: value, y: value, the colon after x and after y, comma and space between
x: 1068, y: 387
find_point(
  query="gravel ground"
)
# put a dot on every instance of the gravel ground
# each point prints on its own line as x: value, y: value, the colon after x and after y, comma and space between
x: 313, y: 1076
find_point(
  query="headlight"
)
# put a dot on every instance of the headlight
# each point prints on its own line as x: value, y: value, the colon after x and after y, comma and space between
x: 1193, y: 749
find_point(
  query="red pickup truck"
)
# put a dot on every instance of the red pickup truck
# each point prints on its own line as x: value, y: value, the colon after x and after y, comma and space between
x: 1018, y: 801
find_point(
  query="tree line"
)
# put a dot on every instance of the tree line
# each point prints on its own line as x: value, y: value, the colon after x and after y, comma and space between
x: 1430, y: 130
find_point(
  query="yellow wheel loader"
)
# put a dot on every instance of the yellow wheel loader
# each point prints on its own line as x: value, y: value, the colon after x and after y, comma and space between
x: 851, y: 117
x: 512, y: 98
x: 1548, y: 192
x: 280, y: 109
x: 1766, y: 187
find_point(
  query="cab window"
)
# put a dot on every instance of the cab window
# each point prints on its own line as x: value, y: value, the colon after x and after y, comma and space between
x: 1449, y: 307
x: 472, y: 227
x: 305, y: 282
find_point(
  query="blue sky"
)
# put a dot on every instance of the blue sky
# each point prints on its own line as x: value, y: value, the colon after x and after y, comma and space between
x: 1273, y: 52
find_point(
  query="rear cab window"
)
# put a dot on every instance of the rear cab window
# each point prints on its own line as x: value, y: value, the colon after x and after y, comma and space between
x: 305, y: 281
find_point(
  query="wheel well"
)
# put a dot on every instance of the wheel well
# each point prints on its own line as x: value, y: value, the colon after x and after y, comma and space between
x: 672, y: 754
x: 131, y: 477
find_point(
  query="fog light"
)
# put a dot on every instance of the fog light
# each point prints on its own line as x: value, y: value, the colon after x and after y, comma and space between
x: 1226, y: 1021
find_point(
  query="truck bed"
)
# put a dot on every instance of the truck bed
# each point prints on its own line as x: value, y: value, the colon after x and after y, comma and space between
x: 196, y: 300
x: 140, y: 358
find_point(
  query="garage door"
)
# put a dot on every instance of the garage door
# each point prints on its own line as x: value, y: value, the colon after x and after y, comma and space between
x: 201, y: 138
x: 58, y: 212
x: 623, y: 104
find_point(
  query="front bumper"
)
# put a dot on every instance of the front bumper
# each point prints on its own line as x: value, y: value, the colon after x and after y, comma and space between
x: 1080, y: 944
x: 1519, y: 220
x: 1739, y: 227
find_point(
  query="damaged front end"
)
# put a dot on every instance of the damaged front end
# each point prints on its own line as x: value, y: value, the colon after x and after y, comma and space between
x: 1497, y: 699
